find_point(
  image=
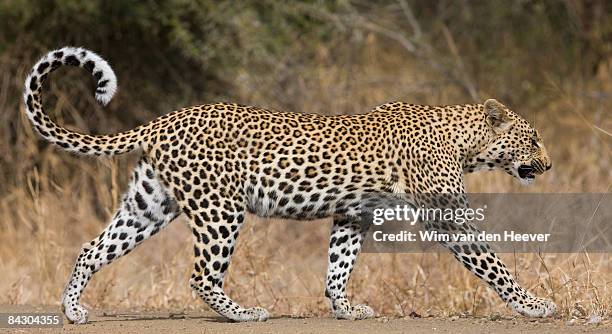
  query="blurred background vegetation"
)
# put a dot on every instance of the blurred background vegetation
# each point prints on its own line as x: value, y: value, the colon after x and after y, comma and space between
x: 549, y: 60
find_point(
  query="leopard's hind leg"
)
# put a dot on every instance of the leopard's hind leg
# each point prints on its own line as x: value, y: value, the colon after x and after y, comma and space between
x: 215, y: 222
x: 145, y: 209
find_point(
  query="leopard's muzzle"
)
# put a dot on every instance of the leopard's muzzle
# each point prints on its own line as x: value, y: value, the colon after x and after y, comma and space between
x: 529, y: 171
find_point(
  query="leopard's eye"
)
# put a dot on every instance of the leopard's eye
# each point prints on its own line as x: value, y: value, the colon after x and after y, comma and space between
x: 534, y: 142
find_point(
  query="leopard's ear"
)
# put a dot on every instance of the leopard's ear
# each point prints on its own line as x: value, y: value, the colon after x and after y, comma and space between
x: 497, y: 116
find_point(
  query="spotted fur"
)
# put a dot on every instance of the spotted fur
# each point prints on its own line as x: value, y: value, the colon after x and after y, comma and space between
x: 213, y: 163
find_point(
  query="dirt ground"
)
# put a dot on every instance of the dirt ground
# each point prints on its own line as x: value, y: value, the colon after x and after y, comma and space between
x: 208, y: 322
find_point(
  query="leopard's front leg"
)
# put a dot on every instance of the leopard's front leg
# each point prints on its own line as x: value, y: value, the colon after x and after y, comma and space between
x: 479, y: 258
x: 490, y: 268
x: 345, y: 243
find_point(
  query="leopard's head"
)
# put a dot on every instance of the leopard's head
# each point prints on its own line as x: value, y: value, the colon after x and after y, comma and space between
x: 513, y: 144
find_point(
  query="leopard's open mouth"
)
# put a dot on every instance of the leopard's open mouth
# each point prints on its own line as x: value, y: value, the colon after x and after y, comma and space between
x: 526, y: 172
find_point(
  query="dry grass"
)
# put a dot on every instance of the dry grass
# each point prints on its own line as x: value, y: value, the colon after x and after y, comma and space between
x: 54, y: 207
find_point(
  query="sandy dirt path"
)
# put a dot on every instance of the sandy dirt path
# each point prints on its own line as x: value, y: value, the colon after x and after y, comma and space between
x: 206, y: 322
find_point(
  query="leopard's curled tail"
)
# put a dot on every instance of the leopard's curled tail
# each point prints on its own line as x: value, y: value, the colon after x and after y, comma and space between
x: 106, y: 86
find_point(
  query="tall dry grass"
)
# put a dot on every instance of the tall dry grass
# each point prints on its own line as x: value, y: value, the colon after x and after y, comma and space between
x: 57, y: 202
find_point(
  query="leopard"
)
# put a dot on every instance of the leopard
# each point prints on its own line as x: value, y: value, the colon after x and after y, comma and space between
x: 216, y: 163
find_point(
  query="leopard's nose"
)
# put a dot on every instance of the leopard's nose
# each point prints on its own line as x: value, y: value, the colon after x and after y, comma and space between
x: 549, y: 166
